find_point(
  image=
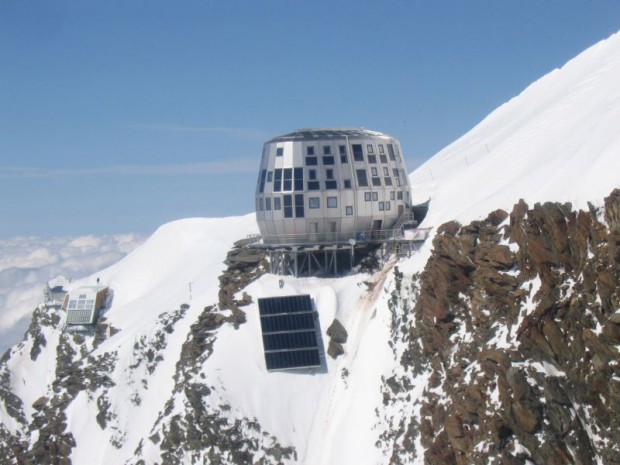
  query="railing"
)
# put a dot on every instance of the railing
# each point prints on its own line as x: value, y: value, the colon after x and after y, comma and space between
x: 339, y: 238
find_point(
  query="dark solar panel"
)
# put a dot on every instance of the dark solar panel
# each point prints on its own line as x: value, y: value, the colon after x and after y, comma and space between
x: 289, y: 330
x: 292, y: 359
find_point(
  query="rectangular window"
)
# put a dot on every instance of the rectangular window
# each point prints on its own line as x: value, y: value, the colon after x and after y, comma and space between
x: 383, y: 158
x: 372, y: 159
x: 358, y: 154
x: 392, y: 197
x: 314, y: 186
x: 310, y: 150
x: 349, y: 210
x: 367, y: 197
x: 342, y: 149
x: 277, y: 182
x: 299, y: 205
x: 312, y: 175
x: 268, y: 203
x: 277, y: 204
x: 329, y: 174
x: 288, y: 206
x: 288, y: 179
x: 314, y: 202
x: 263, y: 177
x: 260, y: 204
x: 381, y: 206
x: 396, y: 176
x: 375, y: 196
x: 404, y: 177
x: 387, y: 206
x: 343, y: 159
x: 347, y: 184
x: 387, y: 181
x: 327, y: 150
x: 386, y: 172
x: 381, y: 148
x: 279, y: 151
x: 332, y: 202
x: 369, y: 148
x: 312, y: 161
x: 376, y: 181
x: 374, y: 172
x: 270, y: 176
x: 399, y: 195
x: 299, y: 179
x: 329, y: 160
x: 331, y: 184
x: 391, y: 152
x: 362, y: 178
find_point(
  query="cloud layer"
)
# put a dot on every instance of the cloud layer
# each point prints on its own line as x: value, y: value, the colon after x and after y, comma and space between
x: 28, y: 263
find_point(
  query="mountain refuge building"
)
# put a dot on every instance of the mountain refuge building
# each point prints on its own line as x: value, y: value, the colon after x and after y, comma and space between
x: 83, y: 304
x: 328, y: 186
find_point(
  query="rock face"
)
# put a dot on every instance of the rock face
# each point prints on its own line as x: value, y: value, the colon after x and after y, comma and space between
x: 512, y: 332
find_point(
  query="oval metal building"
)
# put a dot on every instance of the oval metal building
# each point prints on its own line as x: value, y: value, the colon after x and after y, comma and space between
x: 330, y: 185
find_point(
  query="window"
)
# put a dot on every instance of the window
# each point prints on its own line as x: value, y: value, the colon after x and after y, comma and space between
x: 367, y: 197
x: 362, y: 179
x: 391, y: 152
x: 268, y: 203
x: 392, y: 197
x: 260, y: 204
x: 312, y: 174
x: 387, y: 180
x: 277, y: 182
x: 376, y: 181
x: 72, y: 304
x: 349, y: 210
x: 404, y: 177
x: 375, y: 196
x: 369, y: 148
x: 374, y: 172
x: 329, y: 160
x: 288, y: 206
x: 386, y: 172
x: 270, y: 176
x: 263, y: 176
x: 399, y: 195
x: 358, y: 154
x: 383, y: 158
x: 299, y: 205
x: 331, y: 184
x: 288, y: 179
x: 310, y: 150
x: 299, y: 179
x: 381, y: 206
x: 344, y: 159
x: 314, y: 186
x: 342, y: 149
x: 332, y: 202
x: 314, y: 202
x: 396, y: 176
x: 277, y: 204
x: 347, y: 184
x: 327, y: 150
x: 312, y: 161
x: 329, y: 174
x: 387, y: 206
x: 279, y: 151
x: 372, y: 159
x: 381, y: 148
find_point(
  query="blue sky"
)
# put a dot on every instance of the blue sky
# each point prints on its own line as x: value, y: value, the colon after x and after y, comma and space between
x: 119, y: 116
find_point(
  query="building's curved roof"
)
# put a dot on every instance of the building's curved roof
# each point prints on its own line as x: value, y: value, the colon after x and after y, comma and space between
x: 307, y: 134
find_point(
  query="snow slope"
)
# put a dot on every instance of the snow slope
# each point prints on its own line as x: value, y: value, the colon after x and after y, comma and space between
x: 559, y: 140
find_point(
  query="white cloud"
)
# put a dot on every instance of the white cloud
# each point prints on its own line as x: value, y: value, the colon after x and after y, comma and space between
x: 28, y: 263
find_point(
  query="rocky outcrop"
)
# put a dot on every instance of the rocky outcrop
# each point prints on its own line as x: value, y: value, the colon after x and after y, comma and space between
x: 514, y: 337
x: 337, y: 337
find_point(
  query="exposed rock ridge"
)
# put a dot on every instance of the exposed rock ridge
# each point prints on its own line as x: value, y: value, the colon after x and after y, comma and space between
x: 513, y: 342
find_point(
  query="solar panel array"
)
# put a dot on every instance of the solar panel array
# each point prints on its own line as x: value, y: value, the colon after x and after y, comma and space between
x: 289, y: 332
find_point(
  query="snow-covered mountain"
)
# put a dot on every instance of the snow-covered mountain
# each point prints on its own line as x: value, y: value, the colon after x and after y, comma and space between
x: 489, y: 345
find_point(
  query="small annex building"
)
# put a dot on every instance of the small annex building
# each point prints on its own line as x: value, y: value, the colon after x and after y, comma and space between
x: 54, y: 296
x: 83, y: 304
